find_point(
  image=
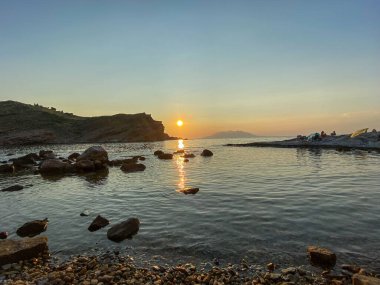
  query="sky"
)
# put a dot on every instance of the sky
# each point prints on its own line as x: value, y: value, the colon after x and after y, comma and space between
x: 268, y: 67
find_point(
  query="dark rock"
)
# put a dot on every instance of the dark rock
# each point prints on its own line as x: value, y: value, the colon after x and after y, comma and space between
x: 26, y: 161
x: 185, y: 160
x: 358, y: 279
x: 165, y: 156
x: 158, y: 152
x: 85, y: 166
x: 188, y: 155
x: 98, y: 223
x: 85, y: 213
x: 271, y: 266
x: 55, y: 166
x: 10, y: 154
x: 3, y: 235
x: 6, y: 168
x: 124, y: 230
x: 94, y: 153
x: 119, y: 162
x: 13, y: 251
x: 132, y: 167
x: 142, y: 158
x: 207, y: 152
x: 179, y: 151
x: 351, y: 268
x: 13, y: 188
x: 321, y: 257
x: 187, y: 191
x: 73, y: 156
x: 46, y: 154
x: 33, y: 228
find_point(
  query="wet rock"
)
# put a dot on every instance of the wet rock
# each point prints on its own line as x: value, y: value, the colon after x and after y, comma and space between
x: 187, y: 191
x: 54, y: 166
x: 94, y: 153
x: 13, y: 188
x: 358, y: 279
x: 142, y: 158
x: 351, y: 268
x: 73, y: 156
x: 26, y: 161
x: 124, y: 230
x: 33, y: 228
x: 271, y: 266
x: 185, y: 160
x: 46, y: 154
x: 3, y: 235
x: 85, y: 166
x: 119, y: 162
x: 158, y: 152
x: 188, y: 155
x: 6, y: 168
x: 98, y: 223
x: 207, y: 152
x: 12, y: 251
x: 321, y: 257
x: 85, y: 213
x: 132, y: 167
x: 290, y: 270
x: 165, y: 156
x: 179, y: 151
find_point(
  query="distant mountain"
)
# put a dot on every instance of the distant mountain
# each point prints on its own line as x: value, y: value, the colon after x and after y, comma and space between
x: 22, y: 124
x: 230, y: 135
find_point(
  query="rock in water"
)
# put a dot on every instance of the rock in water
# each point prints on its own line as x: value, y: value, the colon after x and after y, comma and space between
x: 54, y: 166
x: 85, y: 166
x: 130, y: 167
x: 207, y: 152
x: 13, y: 188
x: 358, y: 279
x: 188, y: 155
x: 124, y: 230
x: 321, y: 257
x: 158, y: 152
x: 46, y: 154
x: 12, y: 251
x: 73, y: 156
x: 3, y: 235
x: 187, y: 191
x: 33, y: 228
x: 85, y: 213
x: 94, y: 153
x: 165, y: 156
x: 6, y: 168
x: 98, y: 223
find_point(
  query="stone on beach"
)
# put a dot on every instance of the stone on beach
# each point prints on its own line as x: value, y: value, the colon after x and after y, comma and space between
x: 94, y: 153
x: 358, y: 279
x: 128, y: 167
x: 207, y: 152
x: 98, y: 223
x: 321, y: 257
x: 12, y: 251
x: 124, y: 230
x: 13, y: 188
x: 33, y: 228
x: 165, y: 156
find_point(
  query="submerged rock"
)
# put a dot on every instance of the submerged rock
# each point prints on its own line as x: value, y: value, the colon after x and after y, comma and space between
x: 321, y: 257
x: 13, y: 188
x: 187, y: 191
x: 165, y: 156
x: 33, y: 228
x: 207, y: 152
x: 119, y: 162
x: 12, y: 251
x: 98, y: 223
x: 6, y: 168
x: 133, y: 167
x: 124, y: 230
x: 94, y: 153
x: 158, y: 152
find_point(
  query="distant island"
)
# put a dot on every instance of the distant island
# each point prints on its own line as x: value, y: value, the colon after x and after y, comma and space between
x: 230, y: 135
x: 23, y: 124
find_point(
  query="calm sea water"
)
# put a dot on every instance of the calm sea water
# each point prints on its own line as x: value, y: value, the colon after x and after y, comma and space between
x: 263, y: 204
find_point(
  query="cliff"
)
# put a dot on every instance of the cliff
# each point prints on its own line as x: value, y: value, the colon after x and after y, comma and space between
x: 22, y: 124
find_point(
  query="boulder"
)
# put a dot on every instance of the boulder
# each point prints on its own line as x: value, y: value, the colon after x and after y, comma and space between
x: 94, y: 153
x: 26, y: 161
x: 188, y: 155
x: 132, y: 167
x: 158, y: 152
x: 165, y: 156
x: 321, y: 257
x: 54, y: 166
x: 179, y: 151
x: 85, y: 166
x: 358, y: 279
x: 33, y: 228
x: 13, y: 188
x: 187, y: 191
x: 46, y: 154
x: 207, y: 152
x: 6, y: 168
x: 3, y: 235
x: 98, y: 223
x: 73, y: 156
x: 124, y: 230
x: 13, y: 251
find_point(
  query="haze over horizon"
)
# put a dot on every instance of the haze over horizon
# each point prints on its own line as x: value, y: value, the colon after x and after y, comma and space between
x: 265, y: 67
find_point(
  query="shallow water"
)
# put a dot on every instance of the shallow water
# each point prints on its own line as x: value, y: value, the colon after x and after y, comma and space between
x: 263, y: 204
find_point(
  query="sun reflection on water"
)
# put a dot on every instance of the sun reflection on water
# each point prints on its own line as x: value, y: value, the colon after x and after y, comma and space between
x: 180, y: 167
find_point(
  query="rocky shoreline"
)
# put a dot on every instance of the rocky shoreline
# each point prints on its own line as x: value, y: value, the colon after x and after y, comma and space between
x: 366, y: 141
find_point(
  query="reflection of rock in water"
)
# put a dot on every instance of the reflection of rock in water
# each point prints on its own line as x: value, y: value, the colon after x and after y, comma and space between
x: 98, y: 177
x: 55, y: 177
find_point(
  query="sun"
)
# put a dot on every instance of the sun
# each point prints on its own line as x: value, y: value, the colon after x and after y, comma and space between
x: 179, y: 123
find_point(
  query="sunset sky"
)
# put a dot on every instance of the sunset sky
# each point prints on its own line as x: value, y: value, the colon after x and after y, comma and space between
x: 268, y: 67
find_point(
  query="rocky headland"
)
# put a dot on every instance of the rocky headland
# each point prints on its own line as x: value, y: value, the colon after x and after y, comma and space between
x: 23, y: 124
x: 365, y: 141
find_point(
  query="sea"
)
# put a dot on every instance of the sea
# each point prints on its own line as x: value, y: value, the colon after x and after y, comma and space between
x: 257, y: 204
